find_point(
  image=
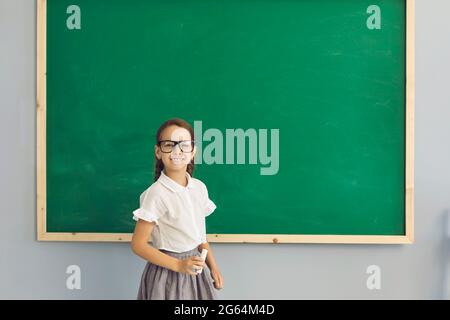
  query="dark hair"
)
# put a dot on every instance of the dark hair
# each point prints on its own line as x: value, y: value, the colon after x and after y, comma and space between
x: 159, y: 166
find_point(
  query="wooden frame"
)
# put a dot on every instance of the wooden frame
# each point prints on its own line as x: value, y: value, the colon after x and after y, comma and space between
x: 43, y: 235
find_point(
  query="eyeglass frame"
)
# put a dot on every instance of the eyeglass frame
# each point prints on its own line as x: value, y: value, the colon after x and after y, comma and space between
x: 175, y: 144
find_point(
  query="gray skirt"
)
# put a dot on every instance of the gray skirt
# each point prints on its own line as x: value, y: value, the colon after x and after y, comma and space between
x: 159, y: 283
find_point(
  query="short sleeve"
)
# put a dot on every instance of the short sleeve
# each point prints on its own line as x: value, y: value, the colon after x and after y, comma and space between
x: 151, y: 208
x: 209, y: 205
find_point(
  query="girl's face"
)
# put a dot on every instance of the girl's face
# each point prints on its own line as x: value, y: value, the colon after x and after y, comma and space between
x: 174, y: 154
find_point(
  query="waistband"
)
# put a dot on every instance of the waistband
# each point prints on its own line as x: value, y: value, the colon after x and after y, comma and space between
x: 189, y: 253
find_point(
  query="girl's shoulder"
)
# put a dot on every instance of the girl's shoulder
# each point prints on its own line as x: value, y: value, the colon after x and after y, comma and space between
x: 155, y: 190
x: 200, y: 184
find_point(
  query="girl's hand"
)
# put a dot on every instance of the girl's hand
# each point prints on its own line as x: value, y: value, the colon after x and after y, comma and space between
x: 218, y: 279
x: 187, y: 265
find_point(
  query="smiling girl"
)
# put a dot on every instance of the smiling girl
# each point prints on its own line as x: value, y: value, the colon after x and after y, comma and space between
x: 173, y: 210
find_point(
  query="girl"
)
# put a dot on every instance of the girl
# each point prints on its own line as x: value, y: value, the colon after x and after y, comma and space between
x: 173, y: 210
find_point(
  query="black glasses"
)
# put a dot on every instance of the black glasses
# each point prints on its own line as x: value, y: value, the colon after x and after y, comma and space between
x: 167, y: 146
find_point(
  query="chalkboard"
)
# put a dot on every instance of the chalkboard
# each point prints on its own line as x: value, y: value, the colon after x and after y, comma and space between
x: 303, y: 114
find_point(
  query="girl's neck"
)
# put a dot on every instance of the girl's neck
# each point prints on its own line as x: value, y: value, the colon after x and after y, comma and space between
x: 178, y: 176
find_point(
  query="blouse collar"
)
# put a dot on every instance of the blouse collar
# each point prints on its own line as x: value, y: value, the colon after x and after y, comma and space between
x: 173, y: 185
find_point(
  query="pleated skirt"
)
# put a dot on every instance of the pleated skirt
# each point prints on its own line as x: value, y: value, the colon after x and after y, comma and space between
x: 159, y: 283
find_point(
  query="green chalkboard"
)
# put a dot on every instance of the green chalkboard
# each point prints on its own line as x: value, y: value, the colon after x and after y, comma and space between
x: 314, y: 79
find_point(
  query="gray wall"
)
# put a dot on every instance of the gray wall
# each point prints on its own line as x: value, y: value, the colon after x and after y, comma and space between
x: 31, y: 269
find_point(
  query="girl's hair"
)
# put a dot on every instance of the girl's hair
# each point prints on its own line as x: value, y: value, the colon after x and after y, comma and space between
x: 159, y: 166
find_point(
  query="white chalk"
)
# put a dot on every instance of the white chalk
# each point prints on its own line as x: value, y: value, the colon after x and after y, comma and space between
x: 203, y: 256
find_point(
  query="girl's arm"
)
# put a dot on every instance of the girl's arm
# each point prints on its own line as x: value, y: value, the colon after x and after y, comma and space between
x: 140, y: 246
x: 211, y: 262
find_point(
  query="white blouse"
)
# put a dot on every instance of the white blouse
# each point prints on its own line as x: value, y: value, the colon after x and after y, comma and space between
x: 179, y: 212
